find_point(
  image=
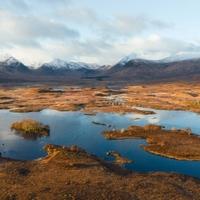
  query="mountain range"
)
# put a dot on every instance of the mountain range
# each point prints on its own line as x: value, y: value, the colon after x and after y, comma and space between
x: 130, y: 70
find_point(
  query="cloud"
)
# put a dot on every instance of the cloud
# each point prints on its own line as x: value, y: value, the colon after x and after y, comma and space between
x: 113, y: 26
x: 156, y: 46
x: 153, y: 47
x: 38, y: 31
x: 28, y: 6
x: 126, y: 26
x: 14, y: 5
x: 103, y: 52
x: 25, y: 30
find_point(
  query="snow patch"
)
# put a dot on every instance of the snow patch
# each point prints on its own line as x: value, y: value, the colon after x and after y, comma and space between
x: 9, y: 60
x: 58, y: 64
x: 181, y: 56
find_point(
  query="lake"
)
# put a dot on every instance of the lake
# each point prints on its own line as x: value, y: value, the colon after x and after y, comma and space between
x: 69, y: 128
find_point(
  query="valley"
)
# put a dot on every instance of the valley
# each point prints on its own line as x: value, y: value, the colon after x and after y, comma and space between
x: 99, y: 100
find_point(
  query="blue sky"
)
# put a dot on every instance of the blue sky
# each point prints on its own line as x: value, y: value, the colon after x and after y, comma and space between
x: 98, y: 31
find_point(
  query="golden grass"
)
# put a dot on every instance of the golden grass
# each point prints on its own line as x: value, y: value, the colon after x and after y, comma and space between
x: 29, y: 127
x: 176, y: 144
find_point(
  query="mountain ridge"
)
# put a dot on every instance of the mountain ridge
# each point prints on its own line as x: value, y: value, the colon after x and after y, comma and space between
x: 133, y: 70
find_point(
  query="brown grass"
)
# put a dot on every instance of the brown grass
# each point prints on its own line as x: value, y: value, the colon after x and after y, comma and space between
x: 177, y: 144
x: 195, y: 104
x: 29, y: 128
x: 72, y: 173
x: 119, y: 159
x: 168, y: 96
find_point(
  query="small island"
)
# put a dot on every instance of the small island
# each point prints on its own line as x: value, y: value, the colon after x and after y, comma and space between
x: 30, y: 129
x: 175, y: 144
x: 118, y: 159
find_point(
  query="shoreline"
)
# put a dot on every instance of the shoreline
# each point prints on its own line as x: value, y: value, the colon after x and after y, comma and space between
x: 72, y: 173
x: 173, y: 144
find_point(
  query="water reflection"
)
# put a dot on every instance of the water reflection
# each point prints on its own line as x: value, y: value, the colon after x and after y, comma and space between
x: 68, y: 128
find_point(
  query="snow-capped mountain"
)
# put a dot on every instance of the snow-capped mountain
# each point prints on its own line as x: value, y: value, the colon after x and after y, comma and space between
x: 61, y: 64
x: 12, y: 61
x: 130, y: 68
x: 12, y: 66
x: 134, y: 58
x: 128, y: 58
x: 182, y: 56
x: 9, y: 60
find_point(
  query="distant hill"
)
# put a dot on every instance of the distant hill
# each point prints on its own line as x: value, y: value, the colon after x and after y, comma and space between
x: 145, y: 70
x: 128, y: 70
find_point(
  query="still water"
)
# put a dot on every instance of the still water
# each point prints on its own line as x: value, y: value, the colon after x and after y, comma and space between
x: 69, y: 128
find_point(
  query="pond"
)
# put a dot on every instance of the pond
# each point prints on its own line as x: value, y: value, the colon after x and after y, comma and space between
x: 69, y: 128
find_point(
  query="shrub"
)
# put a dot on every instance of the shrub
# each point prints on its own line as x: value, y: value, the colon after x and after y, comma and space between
x: 29, y: 127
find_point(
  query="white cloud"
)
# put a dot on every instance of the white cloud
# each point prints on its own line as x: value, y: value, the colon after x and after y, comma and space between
x: 25, y: 30
x: 123, y: 26
x: 104, y: 52
x: 38, y: 31
x: 155, y: 47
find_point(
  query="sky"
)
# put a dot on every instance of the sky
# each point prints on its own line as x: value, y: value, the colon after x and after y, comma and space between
x: 98, y: 31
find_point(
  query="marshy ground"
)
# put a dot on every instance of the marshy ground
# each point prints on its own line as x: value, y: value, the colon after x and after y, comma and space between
x: 167, y: 96
x: 72, y: 173
x: 176, y: 144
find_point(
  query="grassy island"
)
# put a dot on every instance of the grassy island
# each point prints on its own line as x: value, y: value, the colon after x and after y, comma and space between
x: 175, y: 144
x: 30, y: 128
x: 118, y: 159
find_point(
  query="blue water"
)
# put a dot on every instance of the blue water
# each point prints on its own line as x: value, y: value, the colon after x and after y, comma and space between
x: 68, y: 128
